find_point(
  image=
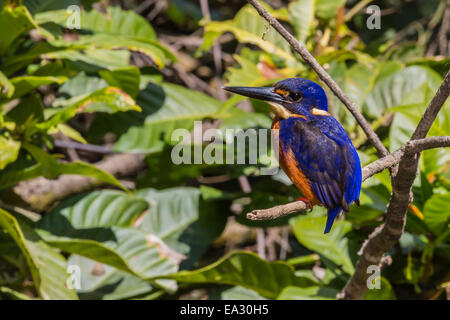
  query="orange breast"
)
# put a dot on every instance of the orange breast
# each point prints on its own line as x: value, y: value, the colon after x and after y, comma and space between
x: 289, y: 166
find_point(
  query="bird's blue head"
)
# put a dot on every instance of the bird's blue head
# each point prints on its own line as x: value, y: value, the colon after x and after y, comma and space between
x: 290, y: 96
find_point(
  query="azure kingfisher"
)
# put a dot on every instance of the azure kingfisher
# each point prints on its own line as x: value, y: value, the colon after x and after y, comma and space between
x: 314, y: 150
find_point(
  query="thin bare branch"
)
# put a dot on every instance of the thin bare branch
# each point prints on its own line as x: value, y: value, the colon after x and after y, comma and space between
x: 324, y: 76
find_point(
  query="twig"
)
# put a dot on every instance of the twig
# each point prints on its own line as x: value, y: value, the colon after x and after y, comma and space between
x: 443, y: 31
x: 83, y: 147
x: 412, y: 147
x: 324, y: 76
x: 357, y: 8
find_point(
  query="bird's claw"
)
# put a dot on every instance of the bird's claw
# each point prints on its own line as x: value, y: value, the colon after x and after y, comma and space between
x: 306, y: 201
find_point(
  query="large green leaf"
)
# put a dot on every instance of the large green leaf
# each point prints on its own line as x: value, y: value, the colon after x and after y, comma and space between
x: 51, y: 168
x: 408, y: 114
x: 333, y: 245
x: 13, y: 23
x: 6, y: 87
x: 48, y: 268
x: 238, y: 293
x: 110, y: 41
x: 327, y: 9
x: 99, y: 226
x: 9, y: 150
x: 247, y: 270
x: 118, y: 22
x: 120, y: 29
x: 248, y: 27
x: 127, y: 79
x: 436, y: 213
x: 36, y: 6
x: 391, y: 90
x: 308, y: 293
x: 168, y: 107
x: 81, y: 84
x: 91, y: 59
x: 101, y: 281
x: 109, y: 99
x: 301, y: 16
x: 180, y: 218
x: 25, y: 84
x: 386, y: 292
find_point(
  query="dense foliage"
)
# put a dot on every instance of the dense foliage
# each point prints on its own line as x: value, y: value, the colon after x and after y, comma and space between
x: 177, y: 231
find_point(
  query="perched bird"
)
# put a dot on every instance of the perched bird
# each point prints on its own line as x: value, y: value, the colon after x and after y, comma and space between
x: 314, y: 149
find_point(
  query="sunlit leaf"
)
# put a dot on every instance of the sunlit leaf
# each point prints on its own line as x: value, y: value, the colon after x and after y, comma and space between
x: 333, y: 245
x: 247, y: 270
x: 9, y: 150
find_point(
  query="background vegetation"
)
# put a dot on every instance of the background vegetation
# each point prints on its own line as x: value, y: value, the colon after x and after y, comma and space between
x: 136, y: 71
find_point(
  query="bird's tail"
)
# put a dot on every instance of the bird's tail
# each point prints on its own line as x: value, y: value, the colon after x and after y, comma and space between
x: 332, y: 214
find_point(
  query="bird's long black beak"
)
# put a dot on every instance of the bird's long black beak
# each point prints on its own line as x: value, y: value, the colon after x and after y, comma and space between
x: 267, y: 94
x: 262, y: 93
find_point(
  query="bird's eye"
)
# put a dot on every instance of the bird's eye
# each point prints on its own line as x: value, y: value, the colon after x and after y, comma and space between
x: 295, y: 96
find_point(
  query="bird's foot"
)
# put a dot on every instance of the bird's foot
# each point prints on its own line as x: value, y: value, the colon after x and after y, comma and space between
x: 307, y: 201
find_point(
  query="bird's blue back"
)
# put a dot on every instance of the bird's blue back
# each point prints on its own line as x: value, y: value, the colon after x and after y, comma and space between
x: 326, y: 156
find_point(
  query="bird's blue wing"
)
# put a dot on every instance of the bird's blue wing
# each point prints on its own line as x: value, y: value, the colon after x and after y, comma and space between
x: 325, y: 155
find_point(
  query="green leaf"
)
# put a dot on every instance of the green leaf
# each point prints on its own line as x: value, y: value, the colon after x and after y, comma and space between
x: 247, y: 270
x: 13, y: 23
x: 101, y: 281
x: 25, y: 84
x: 248, y: 27
x: 36, y: 6
x: 127, y: 79
x: 118, y: 22
x: 90, y: 59
x: 9, y: 150
x: 80, y: 85
x: 10, y: 294
x: 241, y: 119
x: 308, y: 293
x: 239, y: 293
x: 247, y: 75
x: 391, y: 90
x: 109, y: 99
x: 386, y: 292
x: 110, y: 41
x: 99, y: 226
x: 301, y: 16
x: 435, y: 212
x: 29, y: 110
x: 327, y: 9
x: 6, y: 87
x: 179, y: 218
x: 68, y: 132
x: 120, y: 29
x: 333, y: 245
x: 48, y: 268
x: 408, y: 114
x: 51, y: 168
x: 169, y: 107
